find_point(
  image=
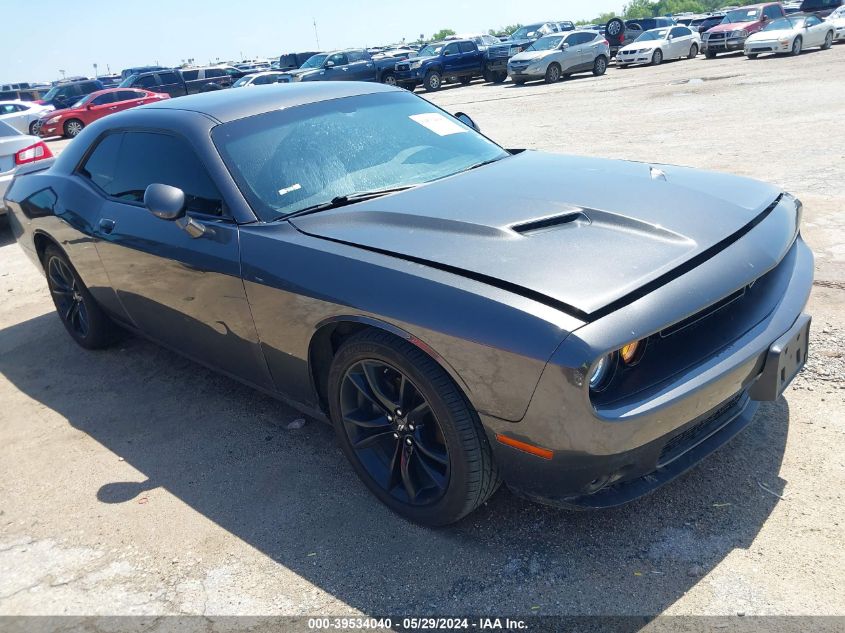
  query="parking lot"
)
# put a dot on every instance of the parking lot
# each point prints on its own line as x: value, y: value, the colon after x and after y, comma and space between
x: 136, y: 482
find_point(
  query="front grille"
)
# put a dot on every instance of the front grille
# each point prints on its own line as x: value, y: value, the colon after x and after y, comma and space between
x: 497, y: 52
x: 697, y: 433
x: 717, y: 36
x: 403, y: 67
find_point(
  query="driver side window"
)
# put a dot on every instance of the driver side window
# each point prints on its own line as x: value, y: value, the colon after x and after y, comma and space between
x: 451, y: 49
x: 338, y: 59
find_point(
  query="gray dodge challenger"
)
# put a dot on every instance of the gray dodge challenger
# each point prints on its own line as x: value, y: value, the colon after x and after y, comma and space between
x: 584, y: 330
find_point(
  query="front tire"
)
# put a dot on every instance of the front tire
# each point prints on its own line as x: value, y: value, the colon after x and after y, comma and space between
x: 73, y: 127
x: 752, y: 55
x: 657, y: 58
x: 600, y: 66
x: 465, y: 80
x: 797, y: 45
x: 552, y: 73
x: 433, y: 81
x: 710, y: 54
x: 82, y: 317
x: 389, y: 79
x: 409, y: 432
x: 33, y: 128
x: 499, y: 77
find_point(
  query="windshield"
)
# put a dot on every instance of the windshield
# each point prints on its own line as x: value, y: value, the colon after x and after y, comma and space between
x: 527, y: 32
x: 432, y: 50
x: 742, y: 15
x: 659, y: 34
x: 242, y: 81
x: 81, y: 102
x: 546, y: 43
x: 287, y: 160
x: 784, y: 23
x: 127, y: 83
x: 51, y: 94
x: 839, y: 13
x: 315, y: 61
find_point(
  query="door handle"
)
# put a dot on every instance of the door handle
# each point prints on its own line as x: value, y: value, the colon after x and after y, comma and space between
x: 106, y: 225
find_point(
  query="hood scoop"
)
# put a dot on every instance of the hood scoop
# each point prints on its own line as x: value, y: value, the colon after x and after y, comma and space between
x: 552, y: 222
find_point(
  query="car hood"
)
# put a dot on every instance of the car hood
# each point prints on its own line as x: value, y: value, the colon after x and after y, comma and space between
x: 580, y: 232
x: 733, y: 26
x: 771, y: 35
x: 527, y: 56
x: 61, y: 112
x: 636, y: 46
x: 417, y: 59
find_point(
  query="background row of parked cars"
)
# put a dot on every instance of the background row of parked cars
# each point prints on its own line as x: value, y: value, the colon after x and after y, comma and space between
x: 546, y: 51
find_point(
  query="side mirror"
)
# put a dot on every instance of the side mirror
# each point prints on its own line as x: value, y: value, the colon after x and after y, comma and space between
x: 467, y: 120
x: 446, y: 53
x: 564, y: 46
x: 164, y: 201
x: 329, y: 64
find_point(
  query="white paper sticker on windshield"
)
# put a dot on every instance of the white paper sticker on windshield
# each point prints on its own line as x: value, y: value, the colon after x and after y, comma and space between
x: 438, y: 123
x: 289, y: 189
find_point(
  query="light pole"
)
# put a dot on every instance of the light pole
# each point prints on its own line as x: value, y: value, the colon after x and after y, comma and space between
x: 316, y: 36
x: 63, y: 73
x: 95, y: 71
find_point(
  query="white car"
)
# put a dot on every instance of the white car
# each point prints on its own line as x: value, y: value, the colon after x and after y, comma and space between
x: 657, y: 45
x: 790, y: 35
x: 23, y: 115
x: 262, y: 79
x: 837, y: 19
x: 560, y: 55
x: 17, y: 149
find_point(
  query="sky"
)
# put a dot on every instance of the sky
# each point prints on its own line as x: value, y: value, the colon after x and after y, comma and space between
x: 73, y: 36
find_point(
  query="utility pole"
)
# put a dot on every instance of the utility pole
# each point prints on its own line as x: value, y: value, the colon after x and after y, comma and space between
x: 316, y: 36
x: 95, y: 72
x: 63, y: 73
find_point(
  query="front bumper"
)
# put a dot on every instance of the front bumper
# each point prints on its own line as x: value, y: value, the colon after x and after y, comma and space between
x: 637, y: 56
x: 409, y: 77
x: 46, y: 130
x: 723, y: 45
x: 762, y: 47
x: 610, y: 455
x: 839, y: 36
x: 527, y: 73
x: 498, y: 65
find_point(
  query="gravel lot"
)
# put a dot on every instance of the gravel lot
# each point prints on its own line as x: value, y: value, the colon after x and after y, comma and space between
x: 135, y: 482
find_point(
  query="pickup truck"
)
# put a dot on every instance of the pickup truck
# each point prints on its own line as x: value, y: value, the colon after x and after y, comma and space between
x: 351, y: 64
x: 730, y: 35
x: 438, y: 62
x: 619, y: 33
x: 178, y: 83
x: 496, y: 64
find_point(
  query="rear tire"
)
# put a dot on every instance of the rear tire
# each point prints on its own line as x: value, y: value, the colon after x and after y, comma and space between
x: 499, y: 77
x: 693, y: 52
x: 797, y: 45
x: 828, y: 41
x: 82, y: 317
x: 73, y: 127
x: 600, y: 66
x: 552, y: 73
x: 433, y: 81
x: 438, y: 440
x: 519, y: 82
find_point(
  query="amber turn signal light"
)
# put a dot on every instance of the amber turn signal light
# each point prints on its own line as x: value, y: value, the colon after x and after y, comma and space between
x: 524, y: 446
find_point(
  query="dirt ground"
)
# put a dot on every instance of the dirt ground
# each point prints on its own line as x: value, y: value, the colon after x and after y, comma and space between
x: 135, y: 482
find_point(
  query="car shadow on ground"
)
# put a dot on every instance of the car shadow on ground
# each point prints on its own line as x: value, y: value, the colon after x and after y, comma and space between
x: 225, y: 451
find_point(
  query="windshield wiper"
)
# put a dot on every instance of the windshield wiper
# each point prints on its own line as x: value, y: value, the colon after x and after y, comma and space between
x: 483, y: 163
x: 342, y: 201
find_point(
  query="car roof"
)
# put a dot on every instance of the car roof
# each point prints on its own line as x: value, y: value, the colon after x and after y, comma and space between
x: 230, y: 105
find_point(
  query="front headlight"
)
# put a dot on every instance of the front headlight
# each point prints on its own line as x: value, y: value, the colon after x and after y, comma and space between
x: 416, y: 64
x: 54, y: 119
x: 783, y: 41
x: 739, y: 33
x: 603, y: 372
x: 515, y: 50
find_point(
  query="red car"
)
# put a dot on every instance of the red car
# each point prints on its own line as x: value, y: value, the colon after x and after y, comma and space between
x: 70, y: 121
x: 738, y: 24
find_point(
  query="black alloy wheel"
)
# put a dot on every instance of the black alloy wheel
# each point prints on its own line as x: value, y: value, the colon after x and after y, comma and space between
x: 407, y: 429
x: 82, y: 317
x: 395, y: 433
x: 68, y: 298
